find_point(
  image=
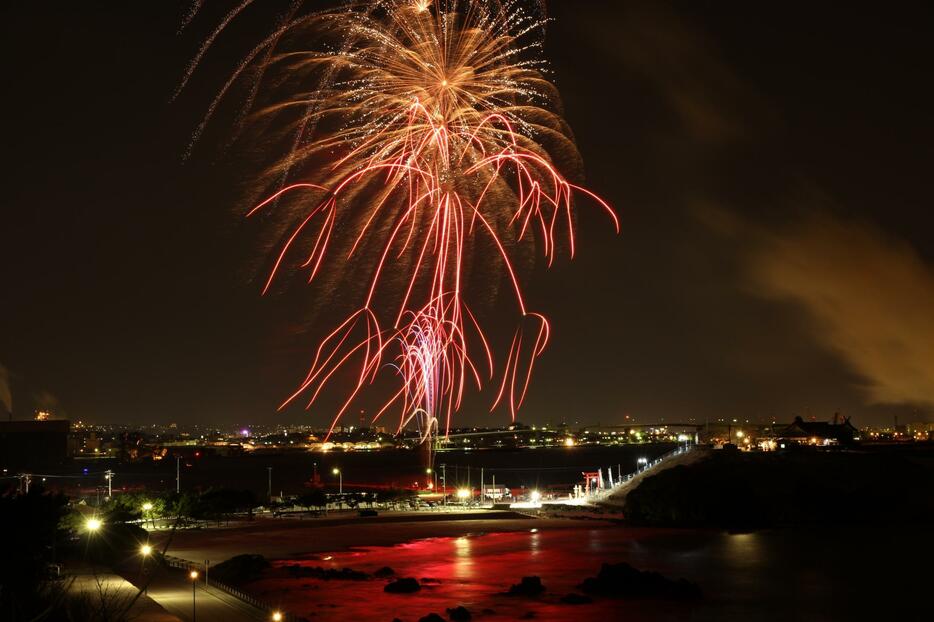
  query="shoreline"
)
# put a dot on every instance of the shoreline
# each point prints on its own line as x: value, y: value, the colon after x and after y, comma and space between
x: 284, y: 538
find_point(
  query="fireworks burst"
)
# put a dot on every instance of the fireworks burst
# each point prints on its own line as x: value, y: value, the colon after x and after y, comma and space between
x: 422, y: 138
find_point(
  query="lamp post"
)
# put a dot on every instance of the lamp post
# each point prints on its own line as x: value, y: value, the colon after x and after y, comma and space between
x: 193, y: 575
x: 276, y: 616
x: 144, y: 551
x: 340, y: 480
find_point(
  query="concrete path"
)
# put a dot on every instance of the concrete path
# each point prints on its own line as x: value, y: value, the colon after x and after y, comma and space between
x: 172, y: 590
x: 108, y: 594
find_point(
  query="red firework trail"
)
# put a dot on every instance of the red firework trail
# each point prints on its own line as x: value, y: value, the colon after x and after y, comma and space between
x: 419, y: 129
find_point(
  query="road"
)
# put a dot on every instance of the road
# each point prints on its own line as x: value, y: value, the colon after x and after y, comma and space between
x: 617, y: 496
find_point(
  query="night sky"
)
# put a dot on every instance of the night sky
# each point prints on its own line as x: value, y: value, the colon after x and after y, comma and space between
x: 771, y: 165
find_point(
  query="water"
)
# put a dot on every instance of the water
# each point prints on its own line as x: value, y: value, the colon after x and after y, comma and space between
x: 834, y: 574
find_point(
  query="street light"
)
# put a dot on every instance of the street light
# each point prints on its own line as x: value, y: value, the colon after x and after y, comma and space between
x: 93, y: 524
x: 147, y: 513
x: 463, y: 494
x: 340, y: 480
x: 536, y: 496
x: 276, y: 616
x: 145, y: 550
x: 193, y: 575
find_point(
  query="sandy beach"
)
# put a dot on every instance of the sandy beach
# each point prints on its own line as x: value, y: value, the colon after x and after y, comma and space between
x: 286, y: 538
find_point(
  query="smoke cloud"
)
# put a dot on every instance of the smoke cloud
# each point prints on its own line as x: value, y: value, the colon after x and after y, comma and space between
x: 869, y: 296
x: 6, y: 396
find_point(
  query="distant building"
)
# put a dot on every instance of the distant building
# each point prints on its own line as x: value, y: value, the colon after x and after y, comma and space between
x: 30, y: 444
x: 836, y: 432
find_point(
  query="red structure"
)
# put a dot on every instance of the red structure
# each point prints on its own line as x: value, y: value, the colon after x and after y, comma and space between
x: 593, y: 481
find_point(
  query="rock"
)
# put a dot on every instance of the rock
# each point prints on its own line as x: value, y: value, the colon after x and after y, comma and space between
x: 530, y: 586
x: 407, y: 585
x: 431, y: 617
x: 384, y: 572
x: 622, y: 581
x: 576, y: 599
x: 459, y: 614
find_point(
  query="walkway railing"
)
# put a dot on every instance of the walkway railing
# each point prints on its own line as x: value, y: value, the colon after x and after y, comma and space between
x: 602, y: 494
x: 185, y: 564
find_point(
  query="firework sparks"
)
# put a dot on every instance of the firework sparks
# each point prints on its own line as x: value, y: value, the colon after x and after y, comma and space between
x: 422, y: 132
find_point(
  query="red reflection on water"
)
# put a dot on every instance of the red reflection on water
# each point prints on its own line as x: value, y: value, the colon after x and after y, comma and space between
x: 473, y: 571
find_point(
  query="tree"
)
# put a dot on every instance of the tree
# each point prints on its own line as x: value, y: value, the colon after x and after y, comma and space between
x: 221, y: 503
x: 31, y: 525
x: 314, y: 498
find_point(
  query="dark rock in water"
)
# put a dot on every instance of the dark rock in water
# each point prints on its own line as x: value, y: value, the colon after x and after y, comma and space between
x: 530, y: 586
x: 576, y: 599
x: 624, y: 581
x: 383, y: 572
x: 407, y: 585
x: 431, y: 617
x: 459, y: 614
x: 328, y: 574
x: 239, y: 569
x: 429, y: 580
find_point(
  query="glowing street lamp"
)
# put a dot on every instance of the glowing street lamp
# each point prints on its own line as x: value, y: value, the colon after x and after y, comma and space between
x: 340, y: 480
x: 463, y: 494
x: 536, y: 496
x: 93, y: 524
x: 147, y: 507
x: 145, y: 550
x: 276, y: 616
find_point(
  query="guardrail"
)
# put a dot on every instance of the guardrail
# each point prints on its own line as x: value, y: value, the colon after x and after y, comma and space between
x: 185, y: 564
x: 629, y: 477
